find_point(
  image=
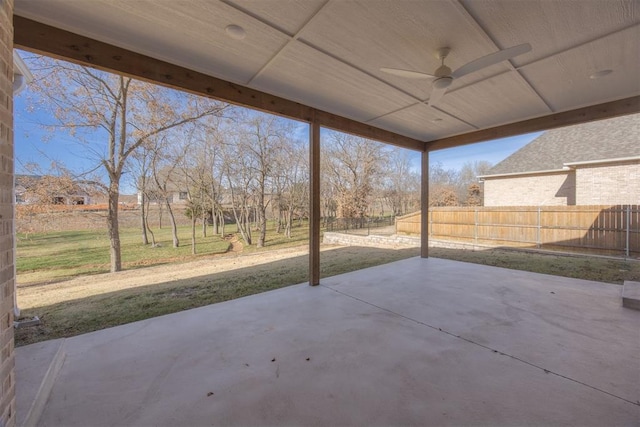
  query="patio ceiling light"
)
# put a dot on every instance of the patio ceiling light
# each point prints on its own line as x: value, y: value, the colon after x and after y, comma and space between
x: 236, y: 32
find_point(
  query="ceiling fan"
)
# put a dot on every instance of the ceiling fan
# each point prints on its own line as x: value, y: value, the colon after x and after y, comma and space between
x: 444, y: 76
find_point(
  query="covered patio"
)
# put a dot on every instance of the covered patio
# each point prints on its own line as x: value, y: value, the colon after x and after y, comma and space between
x: 422, y: 341
x: 415, y: 342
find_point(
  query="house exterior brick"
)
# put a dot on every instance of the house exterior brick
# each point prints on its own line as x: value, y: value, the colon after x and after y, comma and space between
x: 616, y: 183
x: 7, y: 277
x: 595, y: 163
x: 548, y: 189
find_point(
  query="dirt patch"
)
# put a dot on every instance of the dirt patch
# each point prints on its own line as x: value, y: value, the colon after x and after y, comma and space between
x: 80, y: 287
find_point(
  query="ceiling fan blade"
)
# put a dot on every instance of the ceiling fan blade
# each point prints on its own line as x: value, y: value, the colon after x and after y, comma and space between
x: 436, y: 95
x: 407, y: 73
x: 491, y: 59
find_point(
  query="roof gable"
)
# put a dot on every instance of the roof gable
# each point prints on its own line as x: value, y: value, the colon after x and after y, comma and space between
x: 605, y: 139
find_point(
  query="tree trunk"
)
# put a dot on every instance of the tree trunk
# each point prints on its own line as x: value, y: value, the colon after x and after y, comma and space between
x: 193, y: 235
x: 205, y: 214
x: 112, y: 226
x: 247, y: 225
x: 146, y: 222
x: 143, y: 219
x: 216, y: 229
x: 262, y: 227
x: 174, y: 226
x: 288, y: 220
x: 222, y: 222
x: 241, y: 225
x: 279, y: 222
x: 261, y: 216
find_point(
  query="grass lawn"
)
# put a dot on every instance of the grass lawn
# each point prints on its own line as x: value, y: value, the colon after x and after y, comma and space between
x: 75, y: 307
x: 179, y: 281
x: 49, y: 257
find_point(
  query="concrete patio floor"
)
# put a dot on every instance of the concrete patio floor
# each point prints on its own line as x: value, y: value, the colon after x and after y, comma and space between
x: 415, y: 342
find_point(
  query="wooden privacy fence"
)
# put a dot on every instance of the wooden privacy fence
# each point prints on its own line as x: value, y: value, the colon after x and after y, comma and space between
x: 608, y: 229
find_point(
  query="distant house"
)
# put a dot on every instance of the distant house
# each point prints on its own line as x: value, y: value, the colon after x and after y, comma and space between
x: 596, y: 163
x: 49, y: 190
x: 172, y: 187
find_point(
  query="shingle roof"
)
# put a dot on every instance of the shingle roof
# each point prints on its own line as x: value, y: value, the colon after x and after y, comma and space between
x: 600, y: 140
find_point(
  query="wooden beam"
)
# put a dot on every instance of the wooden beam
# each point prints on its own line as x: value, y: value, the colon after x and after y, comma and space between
x: 332, y: 121
x: 51, y: 41
x: 314, y: 201
x: 424, y: 206
x: 574, y: 117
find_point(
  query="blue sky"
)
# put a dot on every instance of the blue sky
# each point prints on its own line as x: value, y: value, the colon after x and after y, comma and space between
x: 33, y: 144
x: 492, y: 151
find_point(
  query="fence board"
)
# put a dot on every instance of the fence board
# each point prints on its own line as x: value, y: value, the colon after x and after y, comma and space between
x: 601, y: 228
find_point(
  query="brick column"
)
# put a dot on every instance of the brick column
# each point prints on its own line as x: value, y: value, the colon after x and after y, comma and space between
x: 7, y: 278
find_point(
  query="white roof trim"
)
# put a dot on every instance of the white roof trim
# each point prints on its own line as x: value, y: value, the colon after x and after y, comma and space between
x: 567, y: 167
x: 21, y: 74
x: 596, y: 162
x: 501, y: 175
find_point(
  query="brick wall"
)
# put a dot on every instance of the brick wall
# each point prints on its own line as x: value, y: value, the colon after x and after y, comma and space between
x: 608, y: 184
x: 7, y: 380
x: 555, y: 189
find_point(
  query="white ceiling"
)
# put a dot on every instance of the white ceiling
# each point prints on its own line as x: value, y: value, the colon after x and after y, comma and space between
x: 328, y: 54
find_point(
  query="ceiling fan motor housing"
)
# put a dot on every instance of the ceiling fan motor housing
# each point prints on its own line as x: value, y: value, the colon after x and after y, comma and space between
x: 442, y: 71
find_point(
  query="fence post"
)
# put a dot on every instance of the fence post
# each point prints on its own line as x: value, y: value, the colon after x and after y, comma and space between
x: 475, y: 229
x: 626, y: 247
x: 430, y: 223
x: 539, y: 238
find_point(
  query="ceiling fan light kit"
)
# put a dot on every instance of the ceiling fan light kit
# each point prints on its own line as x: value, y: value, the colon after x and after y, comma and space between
x: 442, y: 82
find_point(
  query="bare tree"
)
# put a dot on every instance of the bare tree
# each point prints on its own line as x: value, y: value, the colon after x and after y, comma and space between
x: 443, y: 186
x: 291, y: 182
x: 354, y: 166
x: 113, y: 116
x: 262, y: 138
x: 140, y: 166
x: 197, y: 168
x: 401, y: 184
x: 167, y: 178
x: 238, y: 175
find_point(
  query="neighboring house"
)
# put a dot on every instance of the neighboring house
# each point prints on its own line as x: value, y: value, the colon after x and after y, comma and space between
x: 596, y: 163
x: 46, y: 189
x: 173, y: 187
x: 174, y: 194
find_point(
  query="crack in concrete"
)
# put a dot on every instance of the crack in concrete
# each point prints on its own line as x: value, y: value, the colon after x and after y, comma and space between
x: 546, y: 371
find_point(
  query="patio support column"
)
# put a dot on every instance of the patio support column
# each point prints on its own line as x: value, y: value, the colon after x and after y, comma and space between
x: 314, y: 202
x: 424, y: 206
x: 7, y: 275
